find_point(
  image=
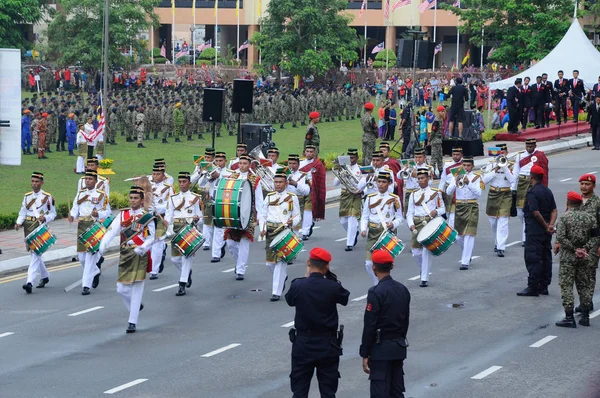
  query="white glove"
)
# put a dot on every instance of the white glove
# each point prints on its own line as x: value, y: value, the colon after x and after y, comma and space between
x: 401, y: 222
x: 140, y: 251
x: 170, y: 231
x: 130, y: 243
x: 102, y: 249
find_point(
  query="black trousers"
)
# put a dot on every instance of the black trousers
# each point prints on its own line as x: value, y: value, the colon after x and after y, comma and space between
x: 538, y: 260
x: 327, y: 375
x: 514, y: 117
x: 575, y: 104
x: 596, y: 135
x: 539, y: 115
x: 405, y: 139
x: 561, y: 109
x: 525, y: 118
x: 387, y: 379
x: 391, y: 131
x: 62, y: 140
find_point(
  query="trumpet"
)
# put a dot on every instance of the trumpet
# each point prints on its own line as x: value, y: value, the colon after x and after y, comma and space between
x: 406, y: 173
x: 460, y: 182
x: 499, y: 162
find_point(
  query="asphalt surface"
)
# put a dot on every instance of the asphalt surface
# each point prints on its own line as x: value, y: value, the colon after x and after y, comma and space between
x: 466, y: 324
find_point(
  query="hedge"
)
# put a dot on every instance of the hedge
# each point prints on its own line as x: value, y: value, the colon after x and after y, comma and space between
x: 160, y: 60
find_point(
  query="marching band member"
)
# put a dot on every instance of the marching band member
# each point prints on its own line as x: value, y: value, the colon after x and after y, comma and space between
x: 381, y: 211
x: 446, y: 177
x: 81, y: 143
x: 238, y: 241
x: 37, y: 208
x: 411, y: 184
x: 161, y: 192
x: 298, y: 184
x: 368, y: 185
x: 523, y: 163
x: 168, y: 177
x: 103, y: 182
x: 202, y: 178
x: 350, y: 203
x: 136, y: 240
x: 218, y: 244
x: 424, y: 204
x: 315, y: 209
x: 280, y: 209
x: 90, y: 205
x: 273, y: 156
x: 182, y: 209
x: 395, y: 167
x: 240, y: 149
x: 500, y: 179
x: 467, y: 189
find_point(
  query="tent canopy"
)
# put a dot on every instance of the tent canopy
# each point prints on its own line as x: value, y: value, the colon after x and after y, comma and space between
x: 574, y: 51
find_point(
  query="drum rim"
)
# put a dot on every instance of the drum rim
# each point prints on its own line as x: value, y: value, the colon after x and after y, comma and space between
x: 439, y: 220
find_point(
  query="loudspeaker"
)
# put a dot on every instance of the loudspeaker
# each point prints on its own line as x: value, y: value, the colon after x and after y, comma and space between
x: 254, y: 135
x: 424, y: 54
x: 243, y: 93
x: 212, y: 107
x: 405, y: 53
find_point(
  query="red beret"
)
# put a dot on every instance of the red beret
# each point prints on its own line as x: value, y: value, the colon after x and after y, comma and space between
x: 44, y: 114
x: 369, y: 106
x: 314, y: 115
x: 381, y: 256
x: 441, y: 108
x: 574, y: 197
x: 588, y: 177
x: 537, y: 170
x: 320, y: 254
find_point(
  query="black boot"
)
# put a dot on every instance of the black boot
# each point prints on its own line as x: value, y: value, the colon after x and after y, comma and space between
x: 48, y: 150
x: 281, y: 127
x: 164, y: 141
x: 190, y: 139
x: 568, y: 321
x: 141, y: 146
x: 28, y: 287
x: 189, y: 282
x: 528, y: 291
x: 585, y: 318
x: 130, y: 328
x: 578, y: 308
x: 181, y: 291
x: 42, y: 283
x: 177, y: 140
x: 200, y: 137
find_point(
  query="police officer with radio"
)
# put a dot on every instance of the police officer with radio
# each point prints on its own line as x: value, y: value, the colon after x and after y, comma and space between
x: 384, y: 342
x: 317, y: 343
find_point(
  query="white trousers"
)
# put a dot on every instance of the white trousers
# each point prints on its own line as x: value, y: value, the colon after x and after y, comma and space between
x: 184, y: 265
x: 100, y: 157
x: 451, y: 217
x: 79, y: 166
x: 369, y: 268
x: 132, y: 298
x: 90, y: 269
x: 468, y: 243
x: 350, y: 224
x: 218, y: 242
x: 307, y: 220
x: 423, y: 258
x: 239, y: 251
x: 522, y: 218
x: 500, y: 231
x: 279, y: 270
x: 36, y: 264
x: 207, y: 232
x: 156, y: 253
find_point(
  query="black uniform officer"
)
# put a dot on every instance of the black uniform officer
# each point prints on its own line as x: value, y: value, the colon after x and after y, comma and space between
x: 316, y: 341
x: 540, y: 215
x: 384, y: 343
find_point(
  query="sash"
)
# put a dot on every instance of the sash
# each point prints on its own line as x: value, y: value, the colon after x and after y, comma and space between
x: 126, y: 223
x: 452, y: 167
x: 525, y: 161
x: 80, y: 201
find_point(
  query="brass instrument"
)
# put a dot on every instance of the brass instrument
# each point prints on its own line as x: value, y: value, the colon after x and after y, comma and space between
x: 346, y: 177
x: 406, y: 172
x: 460, y: 183
x: 258, y: 169
x: 498, y: 162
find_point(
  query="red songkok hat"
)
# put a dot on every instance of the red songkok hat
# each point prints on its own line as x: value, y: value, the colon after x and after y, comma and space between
x: 320, y: 254
x: 588, y: 177
x: 537, y: 170
x: 314, y: 115
x: 382, y: 256
x: 369, y: 106
x: 574, y: 197
x: 441, y: 108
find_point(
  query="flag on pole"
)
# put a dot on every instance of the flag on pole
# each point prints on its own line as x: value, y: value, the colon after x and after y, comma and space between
x: 378, y: 48
x: 437, y: 49
x: 244, y: 46
x: 193, y: 8
x: 216, y: 6
x: 181, y: 54
x: 173, y: 7
x: 362, y: 8
x: 401, y: 3
x: 466, y: 58
x: 492, y: 51
x: 237, y: 8
x: 386, y: 10
x: 426, y: 5
x: 456, y: 3
x: 163, y: 51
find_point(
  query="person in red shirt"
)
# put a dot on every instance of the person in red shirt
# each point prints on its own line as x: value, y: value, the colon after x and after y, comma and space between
x: 67, y: 76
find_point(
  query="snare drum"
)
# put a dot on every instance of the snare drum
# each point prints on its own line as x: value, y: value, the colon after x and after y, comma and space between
x: 389, y: 242
x: 286, y: 245
x: 92, y: 237
x: 40, y: 239
x: 437, y: 236
x: 233, y: 204
x: 188, y: 240
x: 107, y: 221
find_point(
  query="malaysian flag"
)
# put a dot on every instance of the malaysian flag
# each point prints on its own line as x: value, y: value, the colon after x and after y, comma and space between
x: 437, y: 49
x: 427, y: 4
x: 492, y: 51
x: 456, y: 3
x: 97, y: 134
x: 204, y: 46
x: 163, y: 51
x: 362, y: 8
x: 401, y: 3
x: 378, y: 48
x: 244, y: 46
x: 180, y: 54
x: 386, y: 10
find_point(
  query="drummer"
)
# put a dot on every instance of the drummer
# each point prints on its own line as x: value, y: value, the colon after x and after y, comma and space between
x: 218, y: 244
x: 411, y: 184
x: 103, y: 182
x: 240, y: 149
x: 161, y: 192
x: 182, y: 209
x: 424, y: 204
x: 90, y: 206
x: 280, y: 212
x: 298, y: 183
x: 381, y: 211
x: 37, y: 208
x: 202, y: 178
x: 467, y: 208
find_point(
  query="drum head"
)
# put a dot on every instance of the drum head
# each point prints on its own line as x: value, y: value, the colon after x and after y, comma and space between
x: 280, y: 236
x: 245, y: 203
x: 429, y: 229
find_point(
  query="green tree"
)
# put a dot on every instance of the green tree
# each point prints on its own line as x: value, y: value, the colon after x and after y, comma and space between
x: 75, y: 33
x: 306, y: 37
x: 17, y: 12
x: 521, y: 30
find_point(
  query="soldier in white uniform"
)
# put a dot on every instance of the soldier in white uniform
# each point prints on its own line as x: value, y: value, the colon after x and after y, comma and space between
x: 182, y: 209
x: 411, y: 184
x: 424, y: 204
x: 103, y: 182
x: 467, y: 208
x: 306, y: 204
x: 168, y: 178
x: 37, y: 208
x: 90, y: 205
x: 298, y: 183
x: 81, y: 143
x: 453, y: 165
x: 161, y: 192
x: 240, y: 149
x: 500, y: 180
x: 369, y: 184
x: 218, y: 244
x: 280, y: 210
x: 202, y: 178
x: 381, y: 211
x: 273, y: 156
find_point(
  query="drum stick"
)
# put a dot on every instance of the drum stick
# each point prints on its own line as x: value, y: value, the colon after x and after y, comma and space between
x: 381, y: 220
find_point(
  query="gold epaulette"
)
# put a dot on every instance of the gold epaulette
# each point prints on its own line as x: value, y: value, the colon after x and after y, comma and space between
x: 372, y: 194
x: 435, y: 189
x: 393, y: 195
x: 290, y: 193
x: 271, y: 193
x: 100, y: 191
x: 168, y: 185
x: 29, y: 193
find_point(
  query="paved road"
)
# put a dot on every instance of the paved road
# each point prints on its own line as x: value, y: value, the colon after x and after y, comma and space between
x: 55, y: 352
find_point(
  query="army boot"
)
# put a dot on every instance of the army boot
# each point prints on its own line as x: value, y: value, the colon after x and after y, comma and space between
x: 585, y: 318
x: 568, y: 321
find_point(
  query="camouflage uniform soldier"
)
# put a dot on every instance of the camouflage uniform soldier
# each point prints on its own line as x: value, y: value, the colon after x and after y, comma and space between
x: 190, y: 121
x: 370, y: 134
x: 122, y: 113
x: 574, y: 235
x: 591, y: 204
x: 140, y: 118
x: 312, y: 133
x: 52, y: 130
x: 129, y: 123
x: 164, y: 121
x: 111, y: 126
x: 178, y: 121
x: 435, y: 140
x: 282, y: 110
x: 295, y: 108
x: 34, y: 131
x: 200, y: 126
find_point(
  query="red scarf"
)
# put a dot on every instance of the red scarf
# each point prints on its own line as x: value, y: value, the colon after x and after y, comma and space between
x: 318, y: 187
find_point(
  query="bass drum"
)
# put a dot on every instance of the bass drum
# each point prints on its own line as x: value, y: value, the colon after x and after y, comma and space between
x: 233, y: 204
x: 437, y: 236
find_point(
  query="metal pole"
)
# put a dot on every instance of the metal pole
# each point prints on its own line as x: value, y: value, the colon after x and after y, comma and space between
x: 216, y: 36
x: 152, y: 44
x: 194, y: 34
x: 365, y: 49
x: 457, y: 41
x: 434, y: 33
x: 173, y: 38
x: 482, y: 31
x: 238, y: 31
x: 105, y: 56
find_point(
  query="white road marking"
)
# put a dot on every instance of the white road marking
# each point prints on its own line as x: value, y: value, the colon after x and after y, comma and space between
x: 125, y: 386
x: 339, y: 240
x: 316, y: 227
x: 228, y: 270
x: 86, y: 311
x: 220, y: 350
x: 414, y: 278
x: 486, y: 372
x: 472, y: 258
x: 359, y: 298
x: 166, y: 288
x: 543, y: 341
x: 513, y: 243
x: 594, y: 314
x: 566, y: 179
x: 6, y: 334
x: 302, y: 251
x: 592, y: 172
x: 288, y: 325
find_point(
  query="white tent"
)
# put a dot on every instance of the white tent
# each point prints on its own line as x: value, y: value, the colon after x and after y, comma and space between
x: 574, y: 51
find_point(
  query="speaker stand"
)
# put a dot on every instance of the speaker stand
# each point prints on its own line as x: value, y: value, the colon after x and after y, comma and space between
x: 239, y: 132
x: 214, y: 128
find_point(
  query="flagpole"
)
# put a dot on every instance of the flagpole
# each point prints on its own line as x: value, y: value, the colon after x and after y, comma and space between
x: 434, y: 32
x: 194, y: 31
x: 173, y: 33
x: 482, y: 31
x: 152, y: 44
x: 457, y: 41
x: 216, y: 29
x: 365, y: 50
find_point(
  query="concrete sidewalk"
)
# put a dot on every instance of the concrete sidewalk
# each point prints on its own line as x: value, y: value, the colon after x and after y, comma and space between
x: 14, y: 256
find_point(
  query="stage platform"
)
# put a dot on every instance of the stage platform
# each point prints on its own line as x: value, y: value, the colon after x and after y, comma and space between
x: 548, y: 133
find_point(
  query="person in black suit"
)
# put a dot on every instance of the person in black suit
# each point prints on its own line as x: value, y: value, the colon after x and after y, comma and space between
x: 526, y: 102
x: 596, y: 90
x: 548, y: 99
x: 513, y: 99
x: 384, y: 343
x: 593, y: 118
x: 576, y: 92
x: 561, y: 90
x: 538, y: 96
